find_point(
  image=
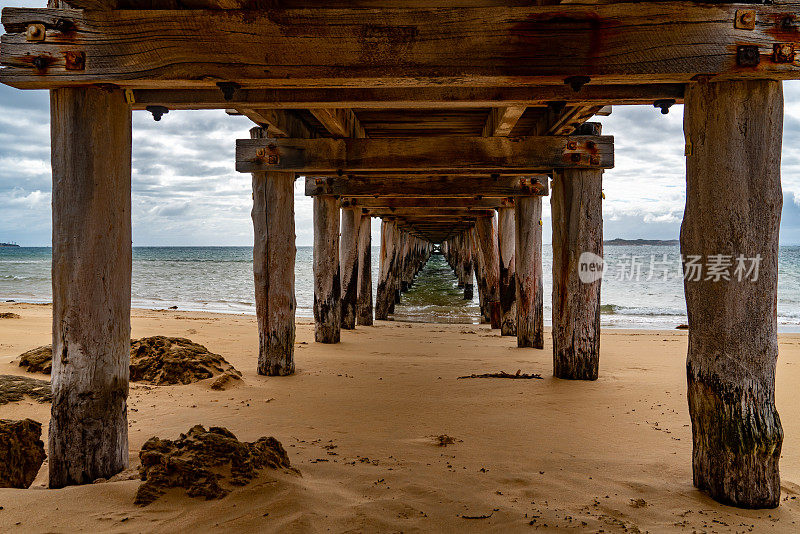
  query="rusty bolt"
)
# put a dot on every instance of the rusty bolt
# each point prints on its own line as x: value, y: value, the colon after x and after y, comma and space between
x: 41, y: 62
x: 35, y: 32
x: 75, y: 60
x: 575, y: 157
x: 745, y: 19
x: 789, y: 23
x: 590, y: 145
x: 783, y: 53
x: 594, y: 160
x: 572, y: 145
x: 272, y: 159
x: 64, y: 25
x: 747, y: 56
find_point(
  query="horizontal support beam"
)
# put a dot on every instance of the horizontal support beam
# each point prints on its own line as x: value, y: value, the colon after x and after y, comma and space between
x: 429, y: 213
x: 428, y: 202
x: 647, y: 42
x: 434, y: 97
x: 456, y: 155
x: 427, y: 186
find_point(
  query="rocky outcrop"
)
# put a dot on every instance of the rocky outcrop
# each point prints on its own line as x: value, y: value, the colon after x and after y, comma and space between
x: 175, y: 360
x: 207, y: 463
x: 14, y: 388
x: 9, y: 315
x: 157, y: 360
x: 38, y: 360
x: 21, y: 452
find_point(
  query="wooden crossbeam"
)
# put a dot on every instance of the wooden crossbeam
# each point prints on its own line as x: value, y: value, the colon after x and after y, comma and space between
x: 340, y: 122
x: 435, y: 97
x: 452, y: 155
x: 502, y: 120
x: 438, y: 203
x: 427, y: 186
x: 648, y: 42
x: 279, y: 122
x: 430, y: 213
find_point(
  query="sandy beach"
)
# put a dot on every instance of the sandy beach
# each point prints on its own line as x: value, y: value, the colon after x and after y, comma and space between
x: 359, y: 421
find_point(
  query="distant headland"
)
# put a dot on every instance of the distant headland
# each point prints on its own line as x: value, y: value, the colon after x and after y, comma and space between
x: 8, y: 245
x: 641, y: 242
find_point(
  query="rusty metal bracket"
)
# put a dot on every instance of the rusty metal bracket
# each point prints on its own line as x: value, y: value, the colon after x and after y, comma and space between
x: 745, y: 19
x: 747, y: 56
x: 783, y: 52
x: 577, y: 82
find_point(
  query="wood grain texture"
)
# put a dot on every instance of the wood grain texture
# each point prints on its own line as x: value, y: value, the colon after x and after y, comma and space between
x: 733, y: 207
x: 348, y: 263
x: 648, y: 42
x: 505, y: 155
x: 528, y: 262
x: 364, y: 302
x: 327, y: 285
x: 91, y: 276
x: 480, y: 276
x: 443, y: 203
x: 487, y: 240
x: 508, y: 280
x: 576, y: 207
x: 501, y: 120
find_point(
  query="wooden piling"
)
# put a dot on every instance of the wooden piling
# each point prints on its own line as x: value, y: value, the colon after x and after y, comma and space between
x: 466, y: 261
x: 733, y: 207
x: 348, y: 262
x: 480, y: 278
x: 327, y: 289
x: 576, y: 206
x: 508, y: 284
x: 273, y: 268
x: 528, y: 258
x: 384, y: 300
x: 487, y: 238
x: 364, y: 299
x: 91, y: 277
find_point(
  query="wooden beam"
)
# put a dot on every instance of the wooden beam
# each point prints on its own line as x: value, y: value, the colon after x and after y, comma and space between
x: 327, y: 290
x: 506, y: 245
x: 648, y: 42
x: 428, y: 186
x: 279, y: 122
x: 435, y: 97
x: 570, y: 119
x: 428, y: 202
x: 364, y: 303
x: 502, y: 120
x: 429, y: 213
x: 348, y: 265
x: 528, y: 265
x: 340, y: 122
x: 451, y: 155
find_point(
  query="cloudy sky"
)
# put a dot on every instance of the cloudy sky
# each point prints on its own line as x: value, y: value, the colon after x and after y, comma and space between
x: 186, y: 191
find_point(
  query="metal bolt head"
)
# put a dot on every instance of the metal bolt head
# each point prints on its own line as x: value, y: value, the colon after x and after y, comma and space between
x: 572, y: 145
x: 575, y: 157
x: 35, y: 32
x: 745, y: 19
x: 590, y: 145
x: 74, y: 60
x: 272, y: 159
x: 594, y: 160
x: 783, y: 53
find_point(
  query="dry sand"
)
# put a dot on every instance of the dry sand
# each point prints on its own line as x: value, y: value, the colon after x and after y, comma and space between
x: 359, y: 420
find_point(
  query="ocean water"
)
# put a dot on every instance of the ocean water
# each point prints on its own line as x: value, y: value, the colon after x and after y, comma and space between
x: 642, y: 287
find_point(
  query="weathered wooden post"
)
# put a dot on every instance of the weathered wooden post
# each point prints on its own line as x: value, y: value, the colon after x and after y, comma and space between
x: 348, y: 262
x: 91, y: 277
x: 273, y: 268
x: 528, y: 258
x: 466, y: 258
x: 480, y: 278
x: 487, y: 238
x: 384, y: 299
x: 364, y: 299
x: 508, y: 283
x: 733, y: 207
x: 576, y: 206
x: 327, y: 289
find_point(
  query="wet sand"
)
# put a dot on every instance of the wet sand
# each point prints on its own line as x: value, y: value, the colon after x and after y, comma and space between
x: 359, y: 420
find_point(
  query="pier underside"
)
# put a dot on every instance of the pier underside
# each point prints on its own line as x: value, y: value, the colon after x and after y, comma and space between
x: 449, y: 121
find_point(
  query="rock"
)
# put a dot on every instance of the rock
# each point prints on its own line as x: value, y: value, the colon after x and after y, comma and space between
x: 38, y: 360
x: 163, y: 360
x: 9, y: 315
x: 682, y: 327
x: 14, y: 388
x: 207, y: 463
x: 21, y: 452
x: 158, y: 360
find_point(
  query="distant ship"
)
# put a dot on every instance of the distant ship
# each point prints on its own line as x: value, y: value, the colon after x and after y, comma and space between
x: 8, y: 245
